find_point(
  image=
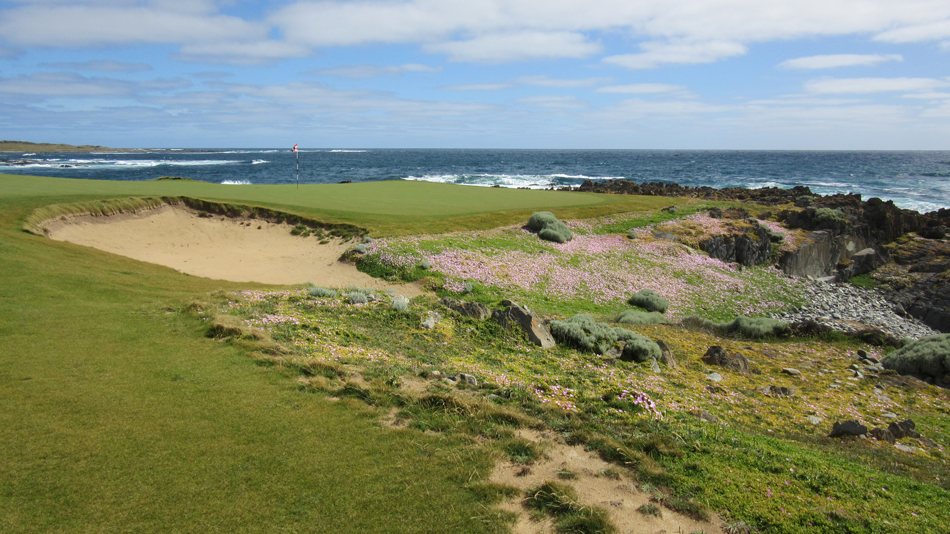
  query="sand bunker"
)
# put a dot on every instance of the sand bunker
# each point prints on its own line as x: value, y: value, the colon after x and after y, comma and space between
x: 236, y: 249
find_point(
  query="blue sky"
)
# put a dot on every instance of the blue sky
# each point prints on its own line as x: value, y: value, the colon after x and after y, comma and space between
x: 704, y: 74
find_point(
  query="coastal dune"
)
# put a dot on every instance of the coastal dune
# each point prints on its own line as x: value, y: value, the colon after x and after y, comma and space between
x: 223, y: 248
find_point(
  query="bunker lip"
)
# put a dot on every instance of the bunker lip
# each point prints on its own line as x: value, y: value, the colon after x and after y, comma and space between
x: 238, y: 249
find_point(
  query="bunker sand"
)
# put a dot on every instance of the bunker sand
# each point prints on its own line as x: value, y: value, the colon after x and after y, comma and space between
x: 223, y: 248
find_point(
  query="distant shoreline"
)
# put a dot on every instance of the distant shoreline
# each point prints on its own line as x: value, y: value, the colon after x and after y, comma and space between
x: 26, y: 146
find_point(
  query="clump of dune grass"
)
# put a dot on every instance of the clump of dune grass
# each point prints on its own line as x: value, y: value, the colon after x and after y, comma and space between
x: 929, y: 356
x: 583, y: 332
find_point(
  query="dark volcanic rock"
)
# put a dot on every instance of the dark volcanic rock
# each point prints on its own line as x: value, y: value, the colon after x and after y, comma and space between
x: 716, y: 355
x: 847, y: 428
x: 752, y: 248
x: 904, y: 429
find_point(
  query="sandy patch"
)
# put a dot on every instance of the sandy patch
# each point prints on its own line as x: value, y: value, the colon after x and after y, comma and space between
x: 620, y: 497
x: 222, y: 248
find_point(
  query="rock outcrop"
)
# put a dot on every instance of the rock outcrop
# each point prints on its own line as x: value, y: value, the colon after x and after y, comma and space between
x: 530, y: 322
x: 751, y: 248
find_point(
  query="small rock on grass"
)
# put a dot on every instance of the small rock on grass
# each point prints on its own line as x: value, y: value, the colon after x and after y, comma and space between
x: 715, y: 377
x: 792, y: 371
x: 432, y: 318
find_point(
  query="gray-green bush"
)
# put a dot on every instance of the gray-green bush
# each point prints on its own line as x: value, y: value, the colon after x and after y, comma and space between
x: 357, y: 297
x: 641, y: 317
x: 400, y: 303
x: 929, y: 356
x: 823, y: 215
x: 322, y: 292
x: 549, y: 228
x: 584, y: 333
x: 359, y: 249
x: 749, y: 327
x: 649, y: 300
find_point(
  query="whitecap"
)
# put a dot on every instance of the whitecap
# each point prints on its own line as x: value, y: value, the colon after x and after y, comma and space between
x: 236, y: 182
x: 259, y: 161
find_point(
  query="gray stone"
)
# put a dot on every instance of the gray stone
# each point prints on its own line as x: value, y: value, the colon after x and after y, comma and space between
x: 847, y: 428
x: 666, y: 354
x: 716, y: 355
x: 791, y: 371
x: 432, y: 319
x: 532, y: 325
x: 753, y: 248
x: 882, y: 434
x: 889, y: 415
x: 655, y: 367
x: 468, y: 379
x: 475, y: 310
x: 905, y: 448
x: 715, y: 377
x: 814, y: 420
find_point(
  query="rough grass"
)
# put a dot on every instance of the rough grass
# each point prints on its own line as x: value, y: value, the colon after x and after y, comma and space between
x: 763, y: 462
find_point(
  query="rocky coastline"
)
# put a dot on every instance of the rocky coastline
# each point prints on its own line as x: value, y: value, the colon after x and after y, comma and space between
x: 905, y: 253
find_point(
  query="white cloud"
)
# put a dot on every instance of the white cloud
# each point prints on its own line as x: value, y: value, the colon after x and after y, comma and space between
x: 545, y: 81
x: 479, y: 86
x: 839, y: 60
x: 932, y: 31
x: 657, y: 53
x: 94, y: 26
x: 872, y: 85
x: 554, y: 102
x: 242, y: 53
x: 642, y: 88
x: 929, y: 96
x: 99, y: 66
x: 358, y: 72
x: 519, y: 46
x: 42, y: 85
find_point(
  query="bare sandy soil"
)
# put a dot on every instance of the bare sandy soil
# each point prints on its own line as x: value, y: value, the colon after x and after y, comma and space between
x: 619, y: 496
x: 235, y: 249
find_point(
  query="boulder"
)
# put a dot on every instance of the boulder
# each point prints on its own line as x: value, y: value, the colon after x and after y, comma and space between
x: 847, y: 428
x: 666, y: 354
x: 535, y: 328
x: 822, y: 253
x: 883, y: 434
x: 716, y: 355
x: 904, y: 429
x: 933, y: 232
x: 475, y: 310
x: 862, y: 262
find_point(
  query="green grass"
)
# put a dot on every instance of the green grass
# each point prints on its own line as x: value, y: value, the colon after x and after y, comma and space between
x: 385, y: 208
x: 120, y: 415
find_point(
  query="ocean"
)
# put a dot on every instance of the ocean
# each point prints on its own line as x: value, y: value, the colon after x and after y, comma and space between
x: 917, y: 180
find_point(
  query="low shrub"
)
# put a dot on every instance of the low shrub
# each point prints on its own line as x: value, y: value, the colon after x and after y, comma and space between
x: 549, y: 228
x: 649, y: 300
x: 359, y: 249
x: 829, y: 215
x: 322, y: 292
x: 640, y: 317
x: 357, y: 297
x: 748, y: 327
x: 929, y: 356
x: 400, y: 303
x: 584, y: 333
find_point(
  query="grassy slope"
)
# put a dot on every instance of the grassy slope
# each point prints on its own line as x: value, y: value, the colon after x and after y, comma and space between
x: 119, y: 415
x: 26, y: 146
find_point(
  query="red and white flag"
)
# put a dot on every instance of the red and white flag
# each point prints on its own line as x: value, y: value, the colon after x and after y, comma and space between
x: 294, y: 149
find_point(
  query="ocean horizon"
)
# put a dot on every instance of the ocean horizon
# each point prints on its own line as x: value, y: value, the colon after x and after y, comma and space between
x: 916, y: 180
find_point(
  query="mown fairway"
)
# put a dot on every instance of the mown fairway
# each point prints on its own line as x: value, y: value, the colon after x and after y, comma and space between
x: 119, y: 415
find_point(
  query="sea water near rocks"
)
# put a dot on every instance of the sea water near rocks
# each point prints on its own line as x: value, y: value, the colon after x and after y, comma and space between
x: 917, y: 180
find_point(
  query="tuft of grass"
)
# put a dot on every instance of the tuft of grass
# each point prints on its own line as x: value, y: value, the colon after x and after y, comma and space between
x: 522, y: 451
x: 650, y: 509
x: 570, y: 516
x: 863, y: 280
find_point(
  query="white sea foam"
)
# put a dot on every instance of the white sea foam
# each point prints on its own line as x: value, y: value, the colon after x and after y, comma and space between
x: 259, y: 161
x: 345, y: 151
x: 236, y: 182
x: 530, y: 181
